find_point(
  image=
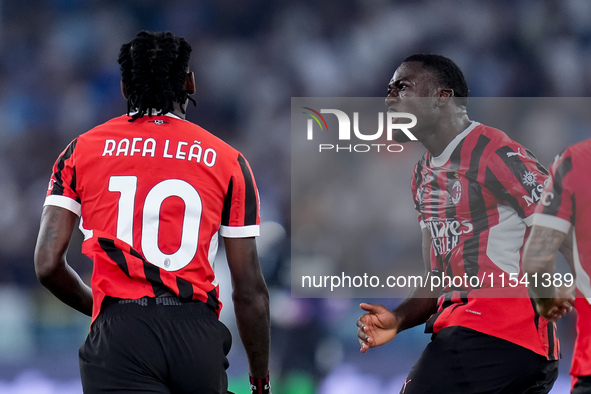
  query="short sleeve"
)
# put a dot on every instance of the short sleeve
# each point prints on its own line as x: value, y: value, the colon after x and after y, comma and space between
x: 517, y: 179
x: 556, y: 207
x: 240, y: 216
x: 61, y: 191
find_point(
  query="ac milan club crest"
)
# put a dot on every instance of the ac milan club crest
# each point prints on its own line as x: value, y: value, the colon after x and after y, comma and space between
x: 456, y: 192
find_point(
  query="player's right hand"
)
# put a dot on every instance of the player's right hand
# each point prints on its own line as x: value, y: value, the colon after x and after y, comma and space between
x: 553, y: 309
x: 378, y: 326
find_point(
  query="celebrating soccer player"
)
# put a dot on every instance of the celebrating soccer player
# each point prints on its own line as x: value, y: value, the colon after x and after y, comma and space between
x: 475, y: 192
x: 153, y: 191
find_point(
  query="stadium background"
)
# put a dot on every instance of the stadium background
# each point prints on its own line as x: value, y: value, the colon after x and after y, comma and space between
x: 59, y: 77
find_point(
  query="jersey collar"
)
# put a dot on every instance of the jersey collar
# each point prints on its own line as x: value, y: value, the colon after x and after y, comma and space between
x: 440, y: 160
x: 154, y: 112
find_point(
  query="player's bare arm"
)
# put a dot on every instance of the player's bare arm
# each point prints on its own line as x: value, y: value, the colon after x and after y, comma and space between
x: 51, y: 267
x: 251, y: 303
x: 566, y: 249
x: 380, y: 324
x: 539, y: 258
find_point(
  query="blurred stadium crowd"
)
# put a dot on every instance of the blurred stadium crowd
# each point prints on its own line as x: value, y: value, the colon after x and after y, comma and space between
x: 59, y: 77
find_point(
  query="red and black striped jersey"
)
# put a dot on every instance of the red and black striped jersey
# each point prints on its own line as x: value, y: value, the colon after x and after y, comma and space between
x: 152, y: 196
x: 476, y: 200
x: 565, y: 205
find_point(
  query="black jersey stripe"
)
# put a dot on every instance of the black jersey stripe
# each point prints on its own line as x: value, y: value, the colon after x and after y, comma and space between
x: 513, y: 163
x: 430, y: 323
x: 73, y: 184
x: 114, y: 253
x: 433, y: 187
x: 152, y: 273
x: 553, y: 343
x: 185, y: 289
x: 539, y: 166
x: 477, y: 206
x: 561, y: 172
x: 447, y: 302
x: 552, y: 350
x: 454, y: 165
x: 493, y: 184
x: 212, y: 300
x: 58, y: 185
x: 228, y: 204
x: 418, y: 180
x: 455, y: 161
x: 250, y: 197
x: 448, y: 268
x: 419, y: 196
x: 536, y: 315
x: 574, y: 205
x: 563, y: 168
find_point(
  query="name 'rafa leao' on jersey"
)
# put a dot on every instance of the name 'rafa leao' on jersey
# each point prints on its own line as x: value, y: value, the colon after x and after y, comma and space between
x: 476, y: 200
x: 565, y: 206
x: 152, y: 196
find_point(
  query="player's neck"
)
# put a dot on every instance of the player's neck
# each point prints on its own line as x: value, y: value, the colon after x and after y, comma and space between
x: 179, y: 111
x: 439, y: 139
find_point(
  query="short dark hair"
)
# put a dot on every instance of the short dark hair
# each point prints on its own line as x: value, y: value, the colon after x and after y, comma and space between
x: 447, y: 72
x: 154, y: 68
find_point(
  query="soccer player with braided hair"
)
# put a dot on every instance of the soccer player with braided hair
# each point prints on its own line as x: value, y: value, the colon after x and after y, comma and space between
x: 153, y: 192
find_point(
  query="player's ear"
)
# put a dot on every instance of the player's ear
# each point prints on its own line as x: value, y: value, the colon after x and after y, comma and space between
x: 190, y: 82
x: 445, y: 96
x: 124, y: 91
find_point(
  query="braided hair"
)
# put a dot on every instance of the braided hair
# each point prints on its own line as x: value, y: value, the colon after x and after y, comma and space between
x: 154, y: 68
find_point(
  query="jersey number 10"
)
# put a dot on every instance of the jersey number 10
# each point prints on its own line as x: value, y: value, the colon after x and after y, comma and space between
x: 127, y: 186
